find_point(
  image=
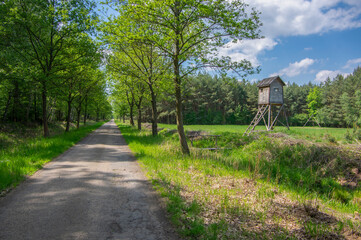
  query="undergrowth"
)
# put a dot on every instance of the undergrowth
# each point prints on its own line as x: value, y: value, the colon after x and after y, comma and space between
x: 24, y: 157
x: 257, y: 187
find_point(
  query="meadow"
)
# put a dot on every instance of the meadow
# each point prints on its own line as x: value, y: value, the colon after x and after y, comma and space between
x: 310, y: 133
x: 297, y: 184
x: 24, y: 151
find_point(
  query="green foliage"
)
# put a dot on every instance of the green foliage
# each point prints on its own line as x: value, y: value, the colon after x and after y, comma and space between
x: 214, y: 100
x: 330, y: 138
x: 187, y: 34
x: 342, y: 195
x: 314, y: 100
x: 357, y: 133
x: 299, y: 119
x: 349, y: 136
x: 49, y: 61
x: 336, y: 103
x: 316, y: 230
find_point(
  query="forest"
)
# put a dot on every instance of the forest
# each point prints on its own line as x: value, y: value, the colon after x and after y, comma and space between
x: 50, y: 64
x: 212, y: 100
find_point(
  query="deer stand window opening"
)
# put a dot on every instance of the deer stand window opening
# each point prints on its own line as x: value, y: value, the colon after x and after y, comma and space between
x: 270, y: 105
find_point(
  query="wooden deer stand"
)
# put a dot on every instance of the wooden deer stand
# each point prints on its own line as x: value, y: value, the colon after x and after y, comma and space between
x: 270, y: 104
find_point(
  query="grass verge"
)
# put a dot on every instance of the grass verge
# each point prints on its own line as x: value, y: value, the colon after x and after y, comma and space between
x: 26, y: 157
x: 265, y: 187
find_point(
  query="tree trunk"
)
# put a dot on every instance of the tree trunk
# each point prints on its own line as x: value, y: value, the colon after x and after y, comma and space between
x: 139, y: 106
x: 178, y: 103
x: 45, y: 114
x: 154, y: 112
x: 123, y: 118
x: 97, y: 114
x: 36, y: 117
x: 68, y: 117
x: 177, y: 82
x: 223, y: 115
x: 139, y: 119
x: 28, y: 108
x: 7, y: 106
x: 131, y: 116
x: 78, y: 111
x: 16, y: 102
x: 86, y: 109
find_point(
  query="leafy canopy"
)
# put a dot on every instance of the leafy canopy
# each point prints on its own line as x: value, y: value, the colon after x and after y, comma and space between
x: 191, y: 31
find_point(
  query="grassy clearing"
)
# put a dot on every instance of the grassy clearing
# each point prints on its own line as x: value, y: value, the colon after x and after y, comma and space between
x: 22, y: 156
x: 309, y: 133
x: 269, y: 186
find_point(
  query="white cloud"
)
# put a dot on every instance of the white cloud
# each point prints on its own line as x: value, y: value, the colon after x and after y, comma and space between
x: 282, y: 18
x: 295, y: 68
x: 322, y: 76
x: 353, y: 63
x: 247, y: 49
x: 304, y: 17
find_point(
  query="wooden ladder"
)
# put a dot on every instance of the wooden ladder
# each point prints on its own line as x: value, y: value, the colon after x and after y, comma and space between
x: 260, y: 114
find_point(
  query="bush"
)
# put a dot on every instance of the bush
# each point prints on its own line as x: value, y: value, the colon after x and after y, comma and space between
x: 330, y: 138
x: 357, y: 133
x: 299, y: 119
x: 341, y: 195
x: 348, y: 136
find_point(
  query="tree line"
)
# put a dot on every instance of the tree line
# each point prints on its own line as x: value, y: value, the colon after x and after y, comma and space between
x: 50, y: 63
x: 211, y: 99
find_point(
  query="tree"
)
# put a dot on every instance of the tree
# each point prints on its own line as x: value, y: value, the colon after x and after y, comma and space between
x: 139, y: 60
x: 79, y: 75
x: 348, y: 108
x: 358, y: 105
x: 39, y: 32
x: 189, y: 32
x: 314, y: 100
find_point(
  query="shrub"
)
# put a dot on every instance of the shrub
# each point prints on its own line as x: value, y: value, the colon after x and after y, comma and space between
x: 341, y: 195
x: 330, y: 138
x: 348, y: 136
x: 357, y: 133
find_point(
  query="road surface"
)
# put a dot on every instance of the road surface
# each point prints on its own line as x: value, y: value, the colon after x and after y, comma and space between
x: 95, y: 190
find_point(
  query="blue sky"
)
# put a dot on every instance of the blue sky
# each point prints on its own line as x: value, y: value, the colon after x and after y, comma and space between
x: 304, y: 41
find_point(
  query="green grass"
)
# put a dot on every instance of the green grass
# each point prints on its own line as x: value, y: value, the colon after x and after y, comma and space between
x: 236, y: 193
x: 309, y: 133
x: 24, y: 157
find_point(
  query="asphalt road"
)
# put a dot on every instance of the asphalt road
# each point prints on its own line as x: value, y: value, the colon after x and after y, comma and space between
x: 95, y: 190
